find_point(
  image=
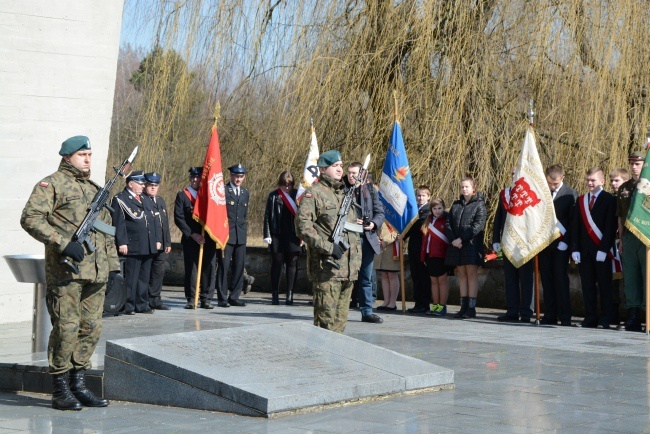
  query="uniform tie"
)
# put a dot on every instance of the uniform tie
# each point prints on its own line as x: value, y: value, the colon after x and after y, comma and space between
x: 591, y: 201
x: 137, y: 196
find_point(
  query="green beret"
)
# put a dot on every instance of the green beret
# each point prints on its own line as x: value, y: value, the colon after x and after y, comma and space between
x: 328, y: 158
x: 637, y: 156
x: 73, y: 144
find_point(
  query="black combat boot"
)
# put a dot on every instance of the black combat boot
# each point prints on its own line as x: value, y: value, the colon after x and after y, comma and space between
x: 81, y: 392
x: 464, y: 304
x: 633, y: 323
x: 289, y: 300
x: 275, y: 298
x: 471, y: 308
x: 62, y: 397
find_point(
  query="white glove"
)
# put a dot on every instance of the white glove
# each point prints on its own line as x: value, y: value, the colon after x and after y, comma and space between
x: 496, y: 247
x: 562, y: 246
x: 576, y: 257
x: 601, y: 256
x: 267, y: 240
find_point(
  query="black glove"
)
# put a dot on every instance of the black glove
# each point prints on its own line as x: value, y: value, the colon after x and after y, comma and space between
x: 337, y: 252
x: 75, y: 251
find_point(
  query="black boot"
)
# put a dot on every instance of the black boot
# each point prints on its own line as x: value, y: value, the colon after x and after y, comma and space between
x: 62, y: 397
x: 633, y: 323
x: 81, y: 392
x: 275, y: 299
x: 289, y: 300
x: 464, y: 302
x: 471, y: 308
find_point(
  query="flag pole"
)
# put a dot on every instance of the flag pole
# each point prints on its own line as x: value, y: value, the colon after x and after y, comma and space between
x: 217, y: 109
x: 531, y: 122
x: 647, y: 290
x: 399, y: 239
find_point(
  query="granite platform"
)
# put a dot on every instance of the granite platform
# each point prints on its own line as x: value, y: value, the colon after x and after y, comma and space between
x: 261, y: 370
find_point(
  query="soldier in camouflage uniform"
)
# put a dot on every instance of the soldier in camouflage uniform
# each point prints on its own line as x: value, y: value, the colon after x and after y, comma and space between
x: 314, y: 224
x: 633, y: 251
x: 56, y: 207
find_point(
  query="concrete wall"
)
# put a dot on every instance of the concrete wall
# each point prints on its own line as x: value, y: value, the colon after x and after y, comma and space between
x: 57, y: 77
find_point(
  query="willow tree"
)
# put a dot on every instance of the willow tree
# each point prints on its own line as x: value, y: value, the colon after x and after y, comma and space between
x: 464, y: 69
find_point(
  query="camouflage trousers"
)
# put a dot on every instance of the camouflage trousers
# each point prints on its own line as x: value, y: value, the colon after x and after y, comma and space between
x: 76, y: 313
x: 331, y: 304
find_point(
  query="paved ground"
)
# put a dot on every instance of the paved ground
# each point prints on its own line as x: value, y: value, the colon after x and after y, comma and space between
x: 509, y: 378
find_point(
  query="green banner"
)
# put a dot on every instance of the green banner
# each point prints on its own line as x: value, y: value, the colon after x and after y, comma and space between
x: 638, y: 217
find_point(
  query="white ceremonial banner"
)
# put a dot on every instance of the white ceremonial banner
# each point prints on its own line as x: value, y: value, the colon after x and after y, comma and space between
x: 531, y: 224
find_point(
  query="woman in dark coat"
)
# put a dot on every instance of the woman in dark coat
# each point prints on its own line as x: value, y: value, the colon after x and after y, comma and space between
x: 280, y: 234
x: 464, y: 227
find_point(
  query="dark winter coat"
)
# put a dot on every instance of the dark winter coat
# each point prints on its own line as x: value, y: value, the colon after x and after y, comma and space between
x: 466, y: 221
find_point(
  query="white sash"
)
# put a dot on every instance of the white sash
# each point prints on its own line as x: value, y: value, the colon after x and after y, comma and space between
x: 288, y: 201
x: 434, y: 231
x: 590, y: 221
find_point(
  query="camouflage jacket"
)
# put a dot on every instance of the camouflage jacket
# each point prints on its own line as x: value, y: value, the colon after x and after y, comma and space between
x: 315, y: 221
x: 56, y: 207
x: 624, y: 195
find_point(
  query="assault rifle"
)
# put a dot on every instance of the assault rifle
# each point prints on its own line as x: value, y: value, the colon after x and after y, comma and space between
x: 91, y: 222
x: 342, y: 224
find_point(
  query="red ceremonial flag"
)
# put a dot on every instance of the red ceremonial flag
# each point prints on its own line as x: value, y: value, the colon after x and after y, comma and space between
x: 210, y: 205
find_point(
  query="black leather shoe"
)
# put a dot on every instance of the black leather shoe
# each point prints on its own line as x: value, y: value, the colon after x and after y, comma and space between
x: 372, y: 318
x: 161, y: 307
x: 565, y: 323
x: 289, y: 302
x: 148, y: 311
x: 129, y: 312
x: 82, y: 393
x: 237, y: 303
x: 548, y: 321
x: 62, y: 397
x: 525, y: 319
x: 189, y: 305
x: 417, y: 309
x: 206, y: 305
x: 587, y: 325
x: 605, y: 326
x: 509, y: 318
x: 224, y: 304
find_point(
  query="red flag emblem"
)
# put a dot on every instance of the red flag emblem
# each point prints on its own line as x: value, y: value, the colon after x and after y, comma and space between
x: 522, y: 197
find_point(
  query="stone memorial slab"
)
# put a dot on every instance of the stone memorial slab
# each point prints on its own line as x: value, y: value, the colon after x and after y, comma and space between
x: 261, y: 370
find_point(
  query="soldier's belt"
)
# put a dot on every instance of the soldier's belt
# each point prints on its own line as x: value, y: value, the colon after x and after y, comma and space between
x: 353, y: 227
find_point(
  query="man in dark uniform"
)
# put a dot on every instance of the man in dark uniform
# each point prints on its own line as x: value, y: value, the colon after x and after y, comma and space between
x: 518, y: 281
x: 554, y: 259
x: 191, y: 240
x: 237, y: 198
x: 370, y: 213
x: 633, y: 251
x: 419, y: 272
x: 594, y: 235
x: 163, y: 240
x: 136, y: 241
x: 57, y: 205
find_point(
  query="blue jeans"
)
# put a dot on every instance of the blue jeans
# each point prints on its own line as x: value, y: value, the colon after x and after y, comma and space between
x: 365, y: 277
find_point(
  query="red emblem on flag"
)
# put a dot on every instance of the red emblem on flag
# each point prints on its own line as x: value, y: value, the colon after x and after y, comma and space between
x: 521, y: 197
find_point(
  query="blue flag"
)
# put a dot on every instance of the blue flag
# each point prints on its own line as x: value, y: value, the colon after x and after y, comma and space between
x: 396, y: 186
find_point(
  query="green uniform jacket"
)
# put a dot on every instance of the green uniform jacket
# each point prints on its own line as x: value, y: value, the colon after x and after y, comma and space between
x: 315, y: 221
x: 56, y: 207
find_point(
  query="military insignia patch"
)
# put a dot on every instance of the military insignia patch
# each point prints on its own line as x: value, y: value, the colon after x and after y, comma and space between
x: 44, y: 184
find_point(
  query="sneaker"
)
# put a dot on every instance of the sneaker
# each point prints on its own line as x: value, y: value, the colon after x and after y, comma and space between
x: 442, y: 311
x: 433, y: 309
